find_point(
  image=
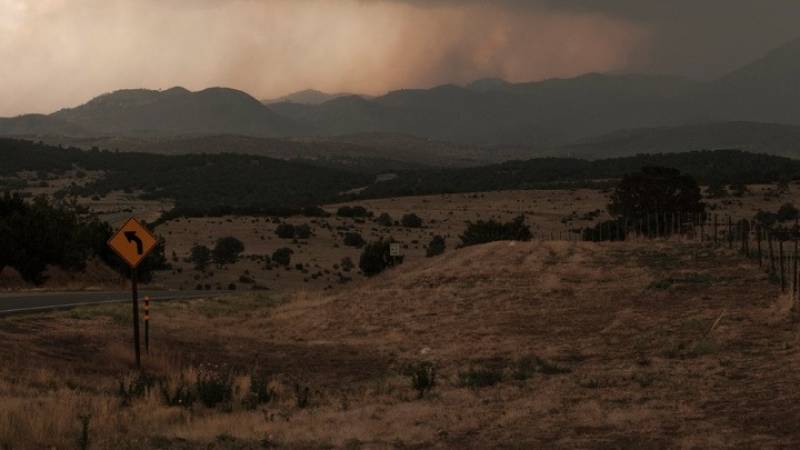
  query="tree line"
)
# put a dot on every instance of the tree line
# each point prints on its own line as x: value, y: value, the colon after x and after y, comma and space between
x: 37, y: 234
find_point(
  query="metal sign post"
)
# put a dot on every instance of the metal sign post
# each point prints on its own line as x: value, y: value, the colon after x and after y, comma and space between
x: 135, y: 303
x: 133, y: 242
x: 147, y: 324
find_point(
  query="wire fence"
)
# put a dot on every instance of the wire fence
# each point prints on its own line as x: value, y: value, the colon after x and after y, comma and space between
x: 775, y: 247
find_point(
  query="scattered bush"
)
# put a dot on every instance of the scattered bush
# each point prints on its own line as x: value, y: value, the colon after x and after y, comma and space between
x: 259, y: 392
x: 436, y: 246
x: 482, y: 232
x: 214, y: 387
x: 282, y: 256
x: 353, y: 211
x: 302, y: 231
x: 352, y: 239
x: 476, y: 378
x: 411, y: 221
x: 301, y: 395
x: 200, y: 257
x: 423, y: 377
x: 135, y: 386
x: 787, y: 212
x: 347, y: 264
x: 285, y: 231
x: 376, y: 257
x: 385, y: 220
x: 227, y: 250
x: 178, y: 394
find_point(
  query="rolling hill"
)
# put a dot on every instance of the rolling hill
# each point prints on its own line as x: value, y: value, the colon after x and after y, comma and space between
x: 141, y: 112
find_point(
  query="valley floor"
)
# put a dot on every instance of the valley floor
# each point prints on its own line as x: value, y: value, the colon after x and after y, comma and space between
x: 531, y: 345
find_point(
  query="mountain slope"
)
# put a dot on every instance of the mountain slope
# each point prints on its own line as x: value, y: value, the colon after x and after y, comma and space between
x: 766, y: 90
x: 306, y: 97
x: 170, y: 112
x: 177, y: 110
x: 542, y: 113
x: 769, y: 138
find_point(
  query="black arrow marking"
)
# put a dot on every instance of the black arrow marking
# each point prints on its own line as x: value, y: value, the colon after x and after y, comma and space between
x: 132, y: 237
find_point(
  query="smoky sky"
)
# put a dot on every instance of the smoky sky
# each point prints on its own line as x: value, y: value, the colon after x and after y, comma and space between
x: 60, y: 53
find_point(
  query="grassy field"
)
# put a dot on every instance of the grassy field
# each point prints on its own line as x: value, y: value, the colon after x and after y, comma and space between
x: 531, y: 345
x: 551, y: 214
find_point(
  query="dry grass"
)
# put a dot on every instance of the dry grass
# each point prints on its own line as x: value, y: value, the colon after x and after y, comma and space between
x: 582, y: 350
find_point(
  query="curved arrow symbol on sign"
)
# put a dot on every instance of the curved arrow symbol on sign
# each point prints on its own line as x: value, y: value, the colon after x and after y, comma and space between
x: 131, y: 236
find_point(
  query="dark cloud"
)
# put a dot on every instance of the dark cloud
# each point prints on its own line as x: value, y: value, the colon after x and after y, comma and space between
x: 66, y: 51
x: 697, y: 38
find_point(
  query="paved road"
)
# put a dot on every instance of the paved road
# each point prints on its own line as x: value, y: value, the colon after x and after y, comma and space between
x: 43, y: 301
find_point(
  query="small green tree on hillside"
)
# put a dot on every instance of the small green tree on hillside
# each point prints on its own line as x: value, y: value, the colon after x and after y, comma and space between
x: 282, y: 256
x: 654, y: 195
x: 227, y: 250
x: 200, y: 257
x: 411, y: 221
x: 376, y: 257
x: 436, y: 246
x: 481, y: 232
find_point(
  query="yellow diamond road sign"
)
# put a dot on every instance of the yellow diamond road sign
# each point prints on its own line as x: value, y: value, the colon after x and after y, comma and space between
x: 133, y: 242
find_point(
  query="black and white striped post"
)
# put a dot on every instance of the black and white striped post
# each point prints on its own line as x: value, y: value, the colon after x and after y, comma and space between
x: 147, y: 325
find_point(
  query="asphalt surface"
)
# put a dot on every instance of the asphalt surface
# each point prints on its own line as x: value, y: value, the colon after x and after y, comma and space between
x: 11, y: 303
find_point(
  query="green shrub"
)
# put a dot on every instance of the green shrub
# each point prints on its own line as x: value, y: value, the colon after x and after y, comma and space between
x: 375, y: 258
x: 259, y: 392
x: 200, y: 257
x: 285, y: 231
x: 135, y: 386
x: 436, y: 246
x: 282, y: 256
x: 353, y: 211
x: 302, y: 231
x: 411, y: 221
x: 214, y: 387
x: 179, y: 394
x: 422, y: 376
x: 476, y: 378
x: 302, y: 395
x: 227, y: 250
x: 385, y: 219
x: 482, y: 232
x: 352, y: 239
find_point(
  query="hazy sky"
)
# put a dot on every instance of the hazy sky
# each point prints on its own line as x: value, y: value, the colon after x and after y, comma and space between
x: 58, y: 53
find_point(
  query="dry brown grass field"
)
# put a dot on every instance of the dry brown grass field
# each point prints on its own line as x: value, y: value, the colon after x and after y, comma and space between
x: 551, y: 214
x: 534, y: 345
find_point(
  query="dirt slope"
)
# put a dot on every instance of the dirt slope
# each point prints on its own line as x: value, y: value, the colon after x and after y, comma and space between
x: 632, y: 323
x: 536, y: 345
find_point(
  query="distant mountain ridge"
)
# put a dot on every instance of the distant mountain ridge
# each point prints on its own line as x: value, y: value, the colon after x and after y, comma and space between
x: 756, y: 137
x: 169, y: 112
x: 308, y: 97
x: 490, y: 112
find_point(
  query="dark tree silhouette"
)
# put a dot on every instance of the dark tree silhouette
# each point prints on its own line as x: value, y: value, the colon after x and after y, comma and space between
x: 651, y: 196
x: 227, y: 250
x: 482, y: 232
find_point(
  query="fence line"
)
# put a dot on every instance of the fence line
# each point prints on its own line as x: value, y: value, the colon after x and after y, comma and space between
x: 780, y: 259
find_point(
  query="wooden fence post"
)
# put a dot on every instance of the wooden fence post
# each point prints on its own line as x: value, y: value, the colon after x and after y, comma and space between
x: 702, y: 227
x: 794, y: 271
x: 730, y: 233
x: 758, y: 241
x: 715, y: 229
x: 783, y: 277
